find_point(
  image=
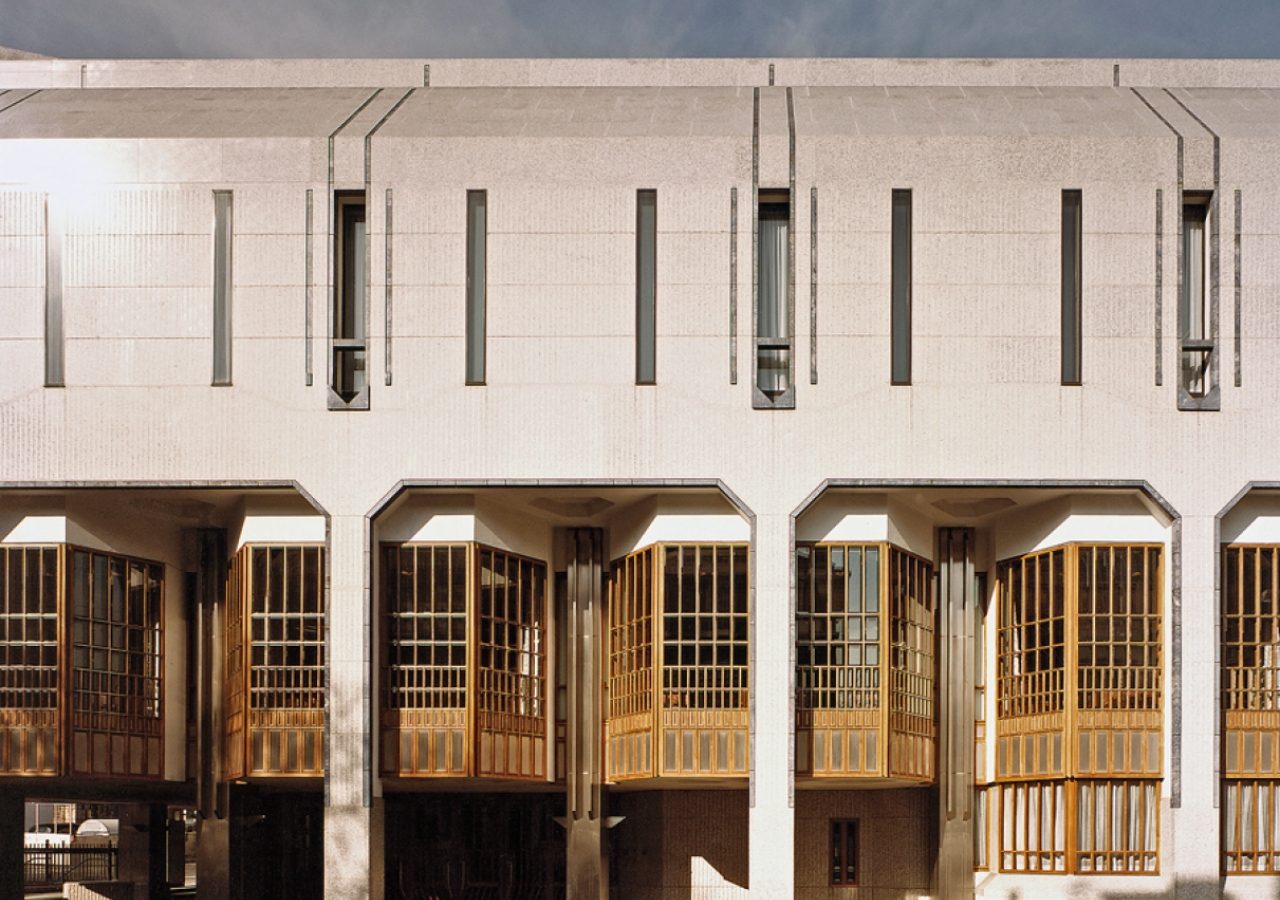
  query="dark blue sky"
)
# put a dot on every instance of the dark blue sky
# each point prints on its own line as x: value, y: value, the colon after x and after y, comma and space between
x: 471, y: 28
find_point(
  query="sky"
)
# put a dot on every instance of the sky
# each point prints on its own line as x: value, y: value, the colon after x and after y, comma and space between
x: 640, y: 28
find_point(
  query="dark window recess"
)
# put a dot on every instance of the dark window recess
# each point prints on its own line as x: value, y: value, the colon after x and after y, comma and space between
x: 1071, y: 293
x: 773, y: 306
x: 477, y: 237
x: 1195, y: 339
x: 900, y: 324
x: 844, y: 852
x: 646, y: 277
x: 350, y: 351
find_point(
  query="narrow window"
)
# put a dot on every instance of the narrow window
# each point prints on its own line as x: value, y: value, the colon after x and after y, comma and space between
x: 1071, y: 233
x: 844, y: 852
x: 349, y: 278
x: 53, y: 229
x: 646, y: 272
x: 477, y: 232
x: 221, y: 287
x: 1193, y: 331
x: 900, y: 326
x: 773, y: 312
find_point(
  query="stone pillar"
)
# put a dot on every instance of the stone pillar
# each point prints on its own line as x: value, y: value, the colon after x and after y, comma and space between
x: 11, y: 845
x: 772, y: 817
x: 1195, y: 839
x: 351, y: 861
x: 586, y: 875
x: 143, y: 848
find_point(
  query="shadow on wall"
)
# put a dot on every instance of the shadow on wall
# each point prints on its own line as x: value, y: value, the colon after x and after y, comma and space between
x: 673, y: 843
x: 1185, y: 889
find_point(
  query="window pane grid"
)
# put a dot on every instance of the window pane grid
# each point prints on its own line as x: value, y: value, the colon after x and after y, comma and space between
x: 512, y: 655
x: 286, y: 629
x: 1032, y: 633
x: 704, y: 643
x: 1117, y: 826
x: 1250, y: 620
x: 631, y: 636
x: 1250, y: 827
x: 1033, y: 831
x: 838, y: 618
x: 1119, y: 629
x: 116, y: 645
x: 426, y: 662
x: 29, y: 628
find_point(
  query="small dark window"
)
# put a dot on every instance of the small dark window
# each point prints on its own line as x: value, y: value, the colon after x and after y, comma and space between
x: 646, y: 275
x: 1071, y: 235
x: 900, y: 320
x: 477, y: 236
x: 222, y: 243
x: 844, y: 852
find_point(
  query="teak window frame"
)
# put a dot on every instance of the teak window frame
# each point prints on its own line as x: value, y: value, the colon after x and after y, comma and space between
x: 1250, y: 704
x: 1075, y: 706
x: 480, y: 729
x: 264, y: 737
x: 696, y: 723
x: 107, y: 720
x: 887, y: 723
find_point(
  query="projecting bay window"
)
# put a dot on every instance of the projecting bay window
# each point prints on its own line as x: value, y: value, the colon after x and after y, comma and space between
x: 1250, y: 709
x: 274, y: 669
x: 865, y: 625
x: 81, y: 663
x: 463, y: 663
x: 678, y: 662
x: 774, y: 296
x: 350, y: 320
x: 1195, y: 330
x: 1079, y: 702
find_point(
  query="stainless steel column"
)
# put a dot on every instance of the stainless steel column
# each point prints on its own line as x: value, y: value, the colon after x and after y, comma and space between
x: 957, y: 599
x: 587, y: 872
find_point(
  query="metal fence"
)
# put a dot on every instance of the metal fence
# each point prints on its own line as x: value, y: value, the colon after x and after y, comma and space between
x: 51, y: 866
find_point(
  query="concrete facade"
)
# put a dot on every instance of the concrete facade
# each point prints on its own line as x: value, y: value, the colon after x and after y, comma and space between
x: 133, y: 449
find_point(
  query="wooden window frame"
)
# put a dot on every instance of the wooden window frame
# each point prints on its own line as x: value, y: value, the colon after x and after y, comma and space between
x: 698, y: 720
x: 842, y: 846
x: 1092, y: 714
x: 494, y: 722
x: 875, y: 719
x: 274, y: 717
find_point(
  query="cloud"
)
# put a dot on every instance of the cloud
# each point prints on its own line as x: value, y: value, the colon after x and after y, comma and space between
x: 576, y: 28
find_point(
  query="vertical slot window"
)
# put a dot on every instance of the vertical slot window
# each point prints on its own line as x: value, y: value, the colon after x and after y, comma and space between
x: 1195, y: 341
x: 54, y: 226
x: 477, y: 234
x: 1071, y: 296
x: 900, y: 325
x: 222, y: 234
x: 646, y: 274
x: 349, y: 313
x: 773, y: 307
x: 844, y: 853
